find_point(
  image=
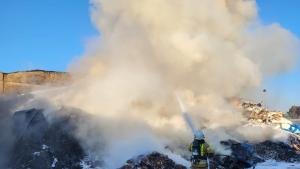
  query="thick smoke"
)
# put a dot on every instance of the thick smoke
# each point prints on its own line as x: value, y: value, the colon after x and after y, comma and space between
x: 206, y: 51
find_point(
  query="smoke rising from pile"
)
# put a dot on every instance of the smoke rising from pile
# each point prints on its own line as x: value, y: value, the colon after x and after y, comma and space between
x: 205, y: 50
x: 208, y: 50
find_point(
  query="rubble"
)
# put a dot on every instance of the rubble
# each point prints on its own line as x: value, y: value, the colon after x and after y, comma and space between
x: 279, y: 151
x: 240, y: 158
x: 40, y: 144
x: 287, y: 152
x: 261, y: 152
x: 53, y: 145
x: 256, y: 113
x: 264, y: 116
x: 154, y: 160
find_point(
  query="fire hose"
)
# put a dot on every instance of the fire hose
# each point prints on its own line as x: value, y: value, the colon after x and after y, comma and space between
x: 188, y: 120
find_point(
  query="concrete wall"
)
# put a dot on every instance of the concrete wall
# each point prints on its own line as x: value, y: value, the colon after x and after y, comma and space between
x: 22, y: 82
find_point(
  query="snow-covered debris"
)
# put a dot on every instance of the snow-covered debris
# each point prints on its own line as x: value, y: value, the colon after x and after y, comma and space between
x: 276, y: 150
x: 85, y: 165
x: 40, y: 144
x: 44, y: 146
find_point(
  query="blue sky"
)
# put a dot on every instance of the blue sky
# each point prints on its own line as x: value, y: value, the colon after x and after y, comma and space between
x: 37, y: 34
x: 283, y: 90
x: 47, y: 34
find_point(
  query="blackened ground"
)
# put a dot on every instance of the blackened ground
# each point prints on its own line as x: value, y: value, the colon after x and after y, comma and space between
x: 154, y: 160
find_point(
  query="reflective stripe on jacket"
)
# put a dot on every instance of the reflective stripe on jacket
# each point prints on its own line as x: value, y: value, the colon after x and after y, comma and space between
x: 204, y: 149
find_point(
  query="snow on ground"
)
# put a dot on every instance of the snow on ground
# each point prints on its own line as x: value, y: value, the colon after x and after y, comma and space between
x: 272, y: 164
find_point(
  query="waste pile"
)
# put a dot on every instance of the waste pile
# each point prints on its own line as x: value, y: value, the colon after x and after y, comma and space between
x: 36, y: 143
x: 154, y: 160
x: 256, y: 113
x: 240, y: 158
x: 277, y: 150
x: 245, y: 155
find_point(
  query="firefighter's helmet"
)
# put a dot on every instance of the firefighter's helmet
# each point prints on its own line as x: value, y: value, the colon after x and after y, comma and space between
x: 198, y: 135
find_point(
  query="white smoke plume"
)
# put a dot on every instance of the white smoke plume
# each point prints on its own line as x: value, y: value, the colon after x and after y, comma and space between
x: 206, y: 50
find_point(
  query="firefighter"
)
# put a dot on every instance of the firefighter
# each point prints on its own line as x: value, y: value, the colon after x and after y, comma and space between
x: 201, y: 151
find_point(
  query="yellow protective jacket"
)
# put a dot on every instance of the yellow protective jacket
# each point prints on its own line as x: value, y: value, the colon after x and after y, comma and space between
x: 204, y: 149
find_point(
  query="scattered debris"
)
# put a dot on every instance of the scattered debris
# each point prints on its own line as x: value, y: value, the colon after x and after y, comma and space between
x: 279, y: 151
x: 255, y: 112
x: 53, y: 145
x: 240, y: 158
x: 251, y: 105
x: 154, y: 160
x: 39, y: 144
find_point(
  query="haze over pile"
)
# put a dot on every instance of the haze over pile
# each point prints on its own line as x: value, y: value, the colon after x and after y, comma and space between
x: 207, y: 51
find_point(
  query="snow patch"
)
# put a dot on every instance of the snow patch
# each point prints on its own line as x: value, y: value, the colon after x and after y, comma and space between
x: 44, y: 147
x: 36, y: 153
x: 269, y: 163
x: 272, y: 164
x: 54, y: 162
x: 85, y: 165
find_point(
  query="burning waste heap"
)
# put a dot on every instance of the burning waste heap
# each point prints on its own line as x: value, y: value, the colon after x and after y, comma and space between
x: 49, y: 140
x: 40, y: 143
x: 154, y: 160
x: 146, y: 51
